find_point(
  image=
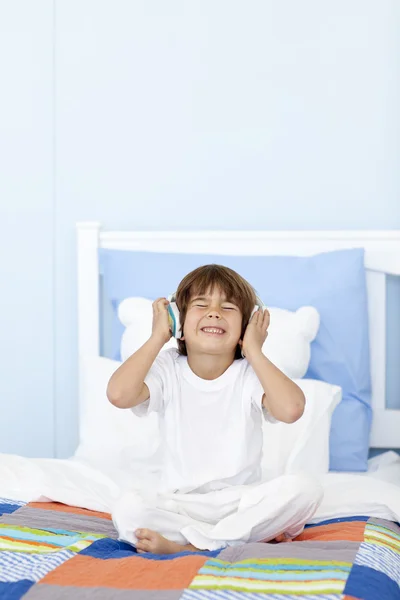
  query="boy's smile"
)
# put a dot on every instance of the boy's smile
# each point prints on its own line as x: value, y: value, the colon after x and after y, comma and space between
x: 213, y: 330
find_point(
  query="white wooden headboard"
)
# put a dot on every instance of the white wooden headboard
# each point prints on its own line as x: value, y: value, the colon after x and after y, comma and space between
x: 382, y: 257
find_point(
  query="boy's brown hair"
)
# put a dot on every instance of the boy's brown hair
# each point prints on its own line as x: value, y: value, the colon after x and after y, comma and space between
x: 206, y: 278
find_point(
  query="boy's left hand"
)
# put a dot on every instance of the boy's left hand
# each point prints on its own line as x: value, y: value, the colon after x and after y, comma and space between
x: 256, y: 332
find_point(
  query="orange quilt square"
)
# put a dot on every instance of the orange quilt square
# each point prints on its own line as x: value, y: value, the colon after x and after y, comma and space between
x: 133, y: 573
x: 352, y: 531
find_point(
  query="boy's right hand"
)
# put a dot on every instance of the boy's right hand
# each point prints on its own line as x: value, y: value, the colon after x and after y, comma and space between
x: 161, y: 327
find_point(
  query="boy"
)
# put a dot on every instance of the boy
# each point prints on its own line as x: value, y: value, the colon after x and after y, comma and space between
x: 210, y: 395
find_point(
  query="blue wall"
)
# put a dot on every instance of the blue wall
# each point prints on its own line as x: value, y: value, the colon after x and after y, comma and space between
x: 27, y: 228
x: 175, y: 115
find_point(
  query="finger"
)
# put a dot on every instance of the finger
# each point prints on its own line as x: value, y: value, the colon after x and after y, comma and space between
x: 143, y: 534
x: 139, y: 533
x: 155, y: 304
x: 161, y: 304
x: 266, y: 318
x: 156, y: 301
x: 254, y: 317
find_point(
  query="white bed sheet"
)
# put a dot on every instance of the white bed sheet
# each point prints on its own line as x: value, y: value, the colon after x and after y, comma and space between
x: 375, y: 493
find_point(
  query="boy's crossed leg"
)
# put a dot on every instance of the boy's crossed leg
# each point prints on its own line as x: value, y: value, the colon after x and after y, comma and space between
x: 273, y: 511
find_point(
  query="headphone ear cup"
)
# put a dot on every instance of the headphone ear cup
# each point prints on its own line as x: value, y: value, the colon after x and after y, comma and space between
x: 259, y: 305
x: 255, y: 309
x: 174, y: 320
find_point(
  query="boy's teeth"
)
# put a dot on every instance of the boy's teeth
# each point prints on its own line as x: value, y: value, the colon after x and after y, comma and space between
x: 212, y: 330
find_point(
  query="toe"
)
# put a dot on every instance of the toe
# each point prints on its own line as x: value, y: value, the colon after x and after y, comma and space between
x: 284, y: 537
x: 142, y: 534
x: 143, y: 546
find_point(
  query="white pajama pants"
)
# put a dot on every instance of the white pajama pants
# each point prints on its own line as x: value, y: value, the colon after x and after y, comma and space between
x: 227, y: 517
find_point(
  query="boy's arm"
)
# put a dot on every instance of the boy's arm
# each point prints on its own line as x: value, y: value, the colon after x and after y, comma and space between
x: 126, y: 387
x: 282, y: 398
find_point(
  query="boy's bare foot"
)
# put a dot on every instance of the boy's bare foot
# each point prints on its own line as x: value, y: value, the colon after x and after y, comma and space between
x: 151, y: 541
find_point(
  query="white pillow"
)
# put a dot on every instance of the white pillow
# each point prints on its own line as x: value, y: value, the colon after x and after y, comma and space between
x: 111, y: 438
x: 303, y: 445
x: 288, y: 343
x: 117, y: 442
x: 290, y: 334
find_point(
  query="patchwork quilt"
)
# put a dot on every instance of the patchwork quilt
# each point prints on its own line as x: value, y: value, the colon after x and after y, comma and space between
x: 50, y: 551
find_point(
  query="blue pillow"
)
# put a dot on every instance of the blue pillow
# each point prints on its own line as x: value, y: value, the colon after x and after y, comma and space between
x: 333, y: 282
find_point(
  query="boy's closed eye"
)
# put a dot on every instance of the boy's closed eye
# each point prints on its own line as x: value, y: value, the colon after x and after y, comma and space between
x: 204, y: 303
x: 223, y: 307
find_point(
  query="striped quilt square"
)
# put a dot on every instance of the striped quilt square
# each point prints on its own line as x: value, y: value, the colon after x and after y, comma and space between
x: 312, y: 568
x: 15, y: 566
x: 52, y: 520
x: 232, y: 595
x: 39, y: 541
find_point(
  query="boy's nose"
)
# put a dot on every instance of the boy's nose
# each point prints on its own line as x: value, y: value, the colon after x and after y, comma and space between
x: 214, y: 314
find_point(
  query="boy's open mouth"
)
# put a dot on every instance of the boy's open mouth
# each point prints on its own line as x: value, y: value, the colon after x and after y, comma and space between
x: 213, y: 330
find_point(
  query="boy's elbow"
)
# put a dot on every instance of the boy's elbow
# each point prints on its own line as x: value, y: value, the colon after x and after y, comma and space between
x: 294, y: 415
x: 125, y: 399
x: 296, y: 410
x: 113, y: 397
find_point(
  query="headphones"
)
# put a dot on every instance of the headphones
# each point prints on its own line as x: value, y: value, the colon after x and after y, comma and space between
x: 175, y: 321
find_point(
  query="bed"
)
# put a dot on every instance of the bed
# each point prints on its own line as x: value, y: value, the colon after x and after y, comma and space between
x: 57, y: 544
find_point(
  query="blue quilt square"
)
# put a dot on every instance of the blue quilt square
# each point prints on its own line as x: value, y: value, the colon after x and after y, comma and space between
x: 7, y: 509
x: 15, y: 590
x: 109, y: 548
x: 369, y: 584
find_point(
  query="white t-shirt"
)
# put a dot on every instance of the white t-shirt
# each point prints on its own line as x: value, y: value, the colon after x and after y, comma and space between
x: 211, y: 430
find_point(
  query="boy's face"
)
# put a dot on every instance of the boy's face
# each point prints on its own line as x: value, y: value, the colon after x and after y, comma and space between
x: 212, y: 325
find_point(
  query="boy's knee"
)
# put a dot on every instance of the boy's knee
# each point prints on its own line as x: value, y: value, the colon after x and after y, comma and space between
x: 128, y: 515
x: 307, y: 486
x: 129, y: 506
